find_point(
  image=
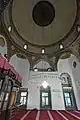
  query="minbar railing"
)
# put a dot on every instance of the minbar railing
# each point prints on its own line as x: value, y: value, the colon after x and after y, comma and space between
x: 7, y: 69
x: 9, y: 79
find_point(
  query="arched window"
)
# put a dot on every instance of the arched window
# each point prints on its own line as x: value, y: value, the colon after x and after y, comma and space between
x: 66, y: 79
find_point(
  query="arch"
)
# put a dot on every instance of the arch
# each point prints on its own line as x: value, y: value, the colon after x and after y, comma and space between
x: 3, y: 40
x: 19, y: 55
x: 3, y: 45
x: 65, y: 59
x: 43, y: 64
x: 22, y: 66
x: 65, y: 78
x: 65, y: 55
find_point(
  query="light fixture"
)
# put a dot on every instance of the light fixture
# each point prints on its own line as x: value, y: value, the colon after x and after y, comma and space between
x: 35, y: 69
x: 61, y: 46
x: 25, y: 46
x: 45, y: 84
x: 9, y: 28
x: 5, y: 55
x: 43, y: 51
x: 78, y: 28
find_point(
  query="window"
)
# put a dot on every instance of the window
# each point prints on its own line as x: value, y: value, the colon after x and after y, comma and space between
x: 67, y: 99
x: 44, y: 98
x: 44, y: 94
x: 65, y: 79
x: 6, y: 96
x: 23, y: 98
x: 23, y: 93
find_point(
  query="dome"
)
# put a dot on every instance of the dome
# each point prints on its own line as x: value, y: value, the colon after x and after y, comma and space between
x: 42, y: 23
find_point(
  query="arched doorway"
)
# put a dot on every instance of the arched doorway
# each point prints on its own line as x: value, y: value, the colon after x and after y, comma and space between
x: 45, y: 98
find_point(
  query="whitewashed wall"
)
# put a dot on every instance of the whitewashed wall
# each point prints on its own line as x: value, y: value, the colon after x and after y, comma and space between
x: 76, y: 76
x: 66, y: 66
x: 22, y: 66
x: 36, y: 80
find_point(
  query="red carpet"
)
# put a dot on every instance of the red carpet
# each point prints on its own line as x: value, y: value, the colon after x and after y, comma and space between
x: 67, y: 115
x: 20, y: 114
x: 47, y: 115
x: 44, y: 115
x: 77, y: 113
x: 31, y: 115
x: 55, y: 115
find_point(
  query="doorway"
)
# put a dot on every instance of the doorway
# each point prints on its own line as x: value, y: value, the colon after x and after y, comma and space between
x: 45, y: 98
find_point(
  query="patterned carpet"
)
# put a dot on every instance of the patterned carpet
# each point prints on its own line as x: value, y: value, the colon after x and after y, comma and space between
x: 47, y: 115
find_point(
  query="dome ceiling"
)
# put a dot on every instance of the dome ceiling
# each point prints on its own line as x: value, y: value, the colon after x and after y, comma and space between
x: 58, y: 17
x: 42, y: 24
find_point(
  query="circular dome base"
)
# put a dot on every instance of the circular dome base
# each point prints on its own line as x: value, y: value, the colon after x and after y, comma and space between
x: 45, y: 31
